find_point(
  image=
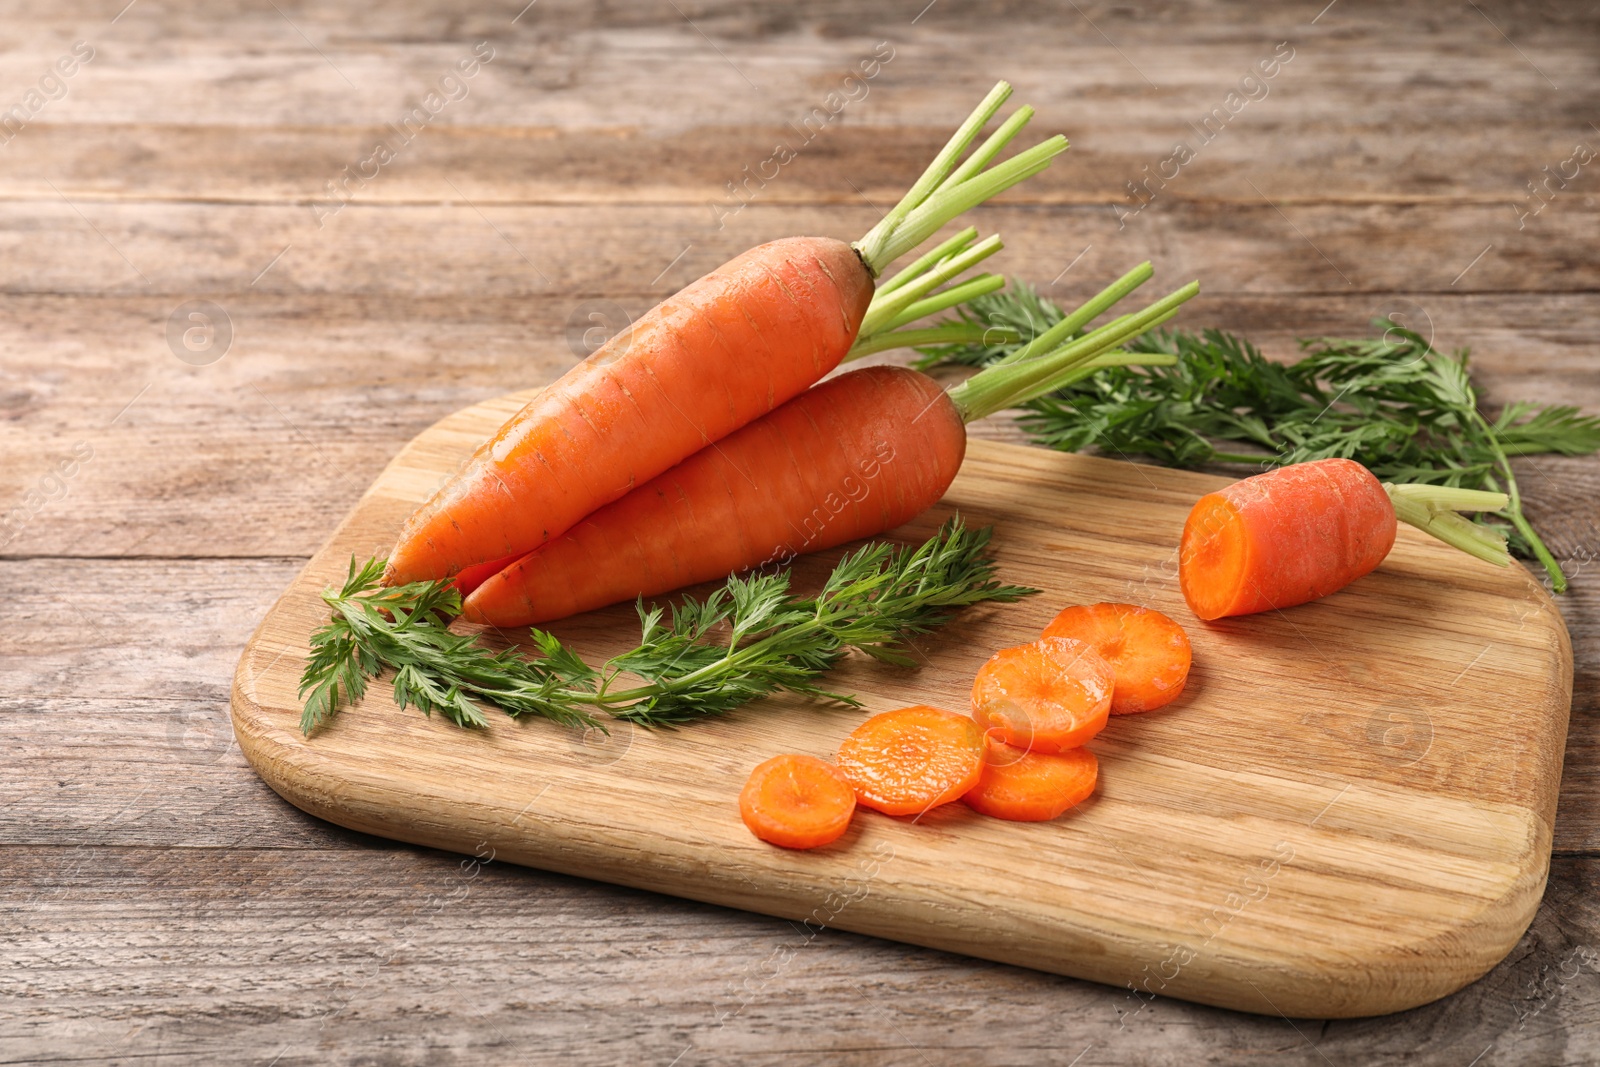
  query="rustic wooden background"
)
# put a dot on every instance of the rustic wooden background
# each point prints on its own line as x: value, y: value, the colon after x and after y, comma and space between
x: 159, y: 904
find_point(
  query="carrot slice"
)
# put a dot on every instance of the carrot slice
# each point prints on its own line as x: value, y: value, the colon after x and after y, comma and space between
x: 1048, y: 696
x: 1032, y: 786
x: 796, y: 802
x: 906, y: 761
x: 1149, y: 653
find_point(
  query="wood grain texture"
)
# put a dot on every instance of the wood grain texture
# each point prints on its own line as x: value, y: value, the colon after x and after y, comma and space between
x: 458, y: 249
x: 137, y: 923
x: 361, y: 951
x: 251, y: 455
x: 1387, y: 828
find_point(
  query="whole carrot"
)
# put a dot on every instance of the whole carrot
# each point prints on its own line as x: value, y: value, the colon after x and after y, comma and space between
x: 1298, y: 533
x: 723, y: 351
x: 850, y: 458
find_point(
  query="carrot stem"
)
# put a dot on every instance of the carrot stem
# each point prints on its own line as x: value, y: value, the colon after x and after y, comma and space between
x: 989, y: 149
x: 1558, y: 580
x: 870, y: 245
x: 1006, y: 385
x: 883, y: 309
x: 920, y: 266
x: 1085, y: 314
x: 947, y: 298
x: 1436, y: 510
x: 1119, y: 357
x: 945, y: 190
x: 951, y: 333
x: 1115, y: 358
x: 951, y: 201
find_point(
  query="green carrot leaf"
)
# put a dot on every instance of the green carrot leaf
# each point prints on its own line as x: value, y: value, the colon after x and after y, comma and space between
x: 748, y: 639
x: 1392, y: 402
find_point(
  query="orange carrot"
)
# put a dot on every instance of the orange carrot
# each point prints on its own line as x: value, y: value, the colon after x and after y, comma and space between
x: 797, y: 802
x: 1298, y: 533
x: 850, y: 458
x: 723, y: 351
x: 680, y: 378
x: 1031, y: 786
x: 1048, y: 696
x: 907, y: 761
x: 468, y: 580
x: 1149, y: 652
x: 859, y: 454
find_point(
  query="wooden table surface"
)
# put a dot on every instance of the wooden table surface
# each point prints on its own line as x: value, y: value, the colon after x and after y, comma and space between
x: 159, y: 904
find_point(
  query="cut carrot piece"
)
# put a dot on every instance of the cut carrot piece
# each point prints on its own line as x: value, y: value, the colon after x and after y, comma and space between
x: 1048, y: 696
x: 1284, y: 537
x: 797, y: 802
x: 907, y: 761
x: 1032, y: 786
x: 1149, y: 653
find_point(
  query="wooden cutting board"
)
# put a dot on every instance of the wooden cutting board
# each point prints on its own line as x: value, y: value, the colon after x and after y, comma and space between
x: 1348, y: 813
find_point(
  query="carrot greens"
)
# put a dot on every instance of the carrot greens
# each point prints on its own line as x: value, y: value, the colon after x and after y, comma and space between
x: 752, y: 637
x: 1393, y: 403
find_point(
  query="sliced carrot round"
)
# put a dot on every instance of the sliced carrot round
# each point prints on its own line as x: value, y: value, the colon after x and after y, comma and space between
x: 907, y: 761
x: 1048, y: 696
x: 797, y: 802
x: 1032, y: 786
x: 1149, y: 653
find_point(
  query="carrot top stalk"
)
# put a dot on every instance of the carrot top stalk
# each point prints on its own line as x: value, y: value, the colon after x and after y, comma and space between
x: 1436, y: 511
x: 886, y: 308
x: 888, y: 312
x: 1011, y: 383
x: 945, y: 189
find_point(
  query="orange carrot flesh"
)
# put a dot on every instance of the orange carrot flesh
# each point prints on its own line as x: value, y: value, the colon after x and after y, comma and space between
x: 1048, y: 696
x: 1148, y: 652
x: 1032, y: 786
x: 854, y: 456
x: 797, y: 802
x: 1285, y: 537
x: 721, y: 352
x: 907, y: 761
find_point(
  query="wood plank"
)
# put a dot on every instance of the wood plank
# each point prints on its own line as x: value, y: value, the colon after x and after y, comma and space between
x: 191, y: 250
x: 1381, y: 104
x: 250, y: 456
x: 383, y: 953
